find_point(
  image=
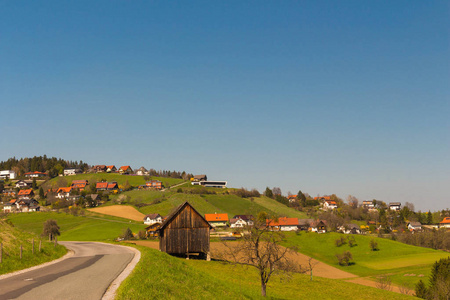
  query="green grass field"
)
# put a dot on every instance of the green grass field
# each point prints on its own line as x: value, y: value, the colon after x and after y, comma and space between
x: 12, y: 238
x: 92, y: 227
x: 120, y: 179
x: 394, y: 258
x: 208, y: 203
x: 159, y: 275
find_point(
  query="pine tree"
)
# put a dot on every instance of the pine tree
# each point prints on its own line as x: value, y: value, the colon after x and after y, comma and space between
x: 429, y: 218
x: 421, y: 290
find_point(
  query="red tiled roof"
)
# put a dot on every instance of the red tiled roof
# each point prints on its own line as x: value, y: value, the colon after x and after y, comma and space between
x: 64, y: 189
x: 112, y: 185
x: 292, y: 196
x: 25, y: 192
x: 124, y: 168
x: 101, y: 185
x: 445, y: 221
x: 283, y: 222
x: 331, y: 202
x: 110, y: 167
x: 35, y: 172
x: 216, y: 217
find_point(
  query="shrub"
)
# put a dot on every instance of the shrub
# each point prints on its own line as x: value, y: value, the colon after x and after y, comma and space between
x: 351, y: 241
x: 344, y: 258
x: 127, y: 234
x: 373, y: 245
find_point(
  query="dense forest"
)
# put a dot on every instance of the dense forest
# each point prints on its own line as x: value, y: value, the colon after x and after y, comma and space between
x: 51, y: 165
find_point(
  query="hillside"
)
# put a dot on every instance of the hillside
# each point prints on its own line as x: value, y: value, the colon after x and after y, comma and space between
x: 404, y: 263
x: 12, y: 238
x: 148, y: 201
x: 92, y: 227
x: 133, y: 180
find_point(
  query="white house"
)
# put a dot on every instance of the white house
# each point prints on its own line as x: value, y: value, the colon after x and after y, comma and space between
x: 70, y: 172
x: 241, y: 221
x: 350, y: 229
x: 414, y: 226
x: 329, y: 205
x: 152, y: 219
x: 7, y: 174
x: 395, y: 205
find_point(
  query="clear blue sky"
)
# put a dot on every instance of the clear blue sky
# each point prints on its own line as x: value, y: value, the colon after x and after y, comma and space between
x: 344, y: 97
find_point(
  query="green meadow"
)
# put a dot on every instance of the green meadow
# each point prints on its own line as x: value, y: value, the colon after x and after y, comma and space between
x: 164, y: 202
x: 92, y: 227
x: 393, y: 258
x: 159, y: 275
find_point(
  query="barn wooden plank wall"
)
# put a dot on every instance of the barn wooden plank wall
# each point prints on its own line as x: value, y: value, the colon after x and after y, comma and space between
x: 186, y: 231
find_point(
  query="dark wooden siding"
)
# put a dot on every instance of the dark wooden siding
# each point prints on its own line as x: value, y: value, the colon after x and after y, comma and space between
x: 186, y: 232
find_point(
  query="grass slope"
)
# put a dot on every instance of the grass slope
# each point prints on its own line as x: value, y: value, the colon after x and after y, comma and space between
x: 12, y: 238
x: 92, y: 227
x: 159, y: 275
x: 394, y: 258
x: 164, y: 202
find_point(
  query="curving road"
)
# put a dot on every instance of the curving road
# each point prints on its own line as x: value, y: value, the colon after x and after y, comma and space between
x: 87, y: 274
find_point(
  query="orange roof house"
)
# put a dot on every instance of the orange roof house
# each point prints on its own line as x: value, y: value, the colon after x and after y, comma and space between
x: 64, y: 190
x: 111, y: 168
x: 217, y: 219
x: 101, y: 185
x: 284, y: 224
x: 445, y: 223
x: 323, y: 198
x: 125, y: 170
x: 79, y: 184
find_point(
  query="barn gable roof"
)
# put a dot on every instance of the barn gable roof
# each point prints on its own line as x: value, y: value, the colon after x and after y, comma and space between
x: 177, y: 211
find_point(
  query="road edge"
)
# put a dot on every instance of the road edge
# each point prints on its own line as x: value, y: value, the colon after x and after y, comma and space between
x: 66, y: 256
x: 112, y: 289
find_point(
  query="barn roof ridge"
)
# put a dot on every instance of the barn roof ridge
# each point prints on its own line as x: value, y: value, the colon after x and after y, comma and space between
x: 176, y: 211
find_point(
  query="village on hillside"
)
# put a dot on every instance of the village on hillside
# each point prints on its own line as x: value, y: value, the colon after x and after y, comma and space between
x: 23, y: 190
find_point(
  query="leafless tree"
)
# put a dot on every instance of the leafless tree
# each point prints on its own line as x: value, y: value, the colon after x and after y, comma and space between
x: 311, y: 264
x: 383, y: 282
x: 405, y: 289
x: 260, y: 248
x: 352, y: 201
x: 276, y: 191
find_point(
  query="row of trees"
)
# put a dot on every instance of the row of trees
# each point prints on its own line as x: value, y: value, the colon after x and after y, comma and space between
x: 51, y: 165
x: 169, y: 174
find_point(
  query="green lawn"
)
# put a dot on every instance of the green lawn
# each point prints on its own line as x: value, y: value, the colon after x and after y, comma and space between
x: 159, y: 275
x: 93, y: 227
x: 392, y: 258
x: 279, y: 209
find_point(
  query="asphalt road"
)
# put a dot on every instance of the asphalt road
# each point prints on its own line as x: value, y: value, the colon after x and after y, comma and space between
x: 85, y: 275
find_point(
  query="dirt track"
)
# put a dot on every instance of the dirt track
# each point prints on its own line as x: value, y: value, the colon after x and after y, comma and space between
x: 320, y: 269
x: 123, y: 211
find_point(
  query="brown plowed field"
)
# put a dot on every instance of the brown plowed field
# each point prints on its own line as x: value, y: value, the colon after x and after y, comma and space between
x: 123, y: 211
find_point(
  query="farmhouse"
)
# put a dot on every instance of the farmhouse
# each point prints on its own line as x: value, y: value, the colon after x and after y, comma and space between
x: 329, y: 205
x: 79, y: 184
x: 10, y: 206
x: 27, y: 205
x: 395, y: 206
x: 141, y: 171
x: 35, y: 174
x: 304, y: 224
x: 111, y: 169
x: 414, y: 226
x: 445, y: 223
x: 198, y: 178
x: 125, y: 170
x: 185, y: 232
x: 283, y: 224
x: 292, y: 198
x: 99, y: 168
x: 152, y: 218
x: 318, y: 226
x: 350, y: 229
x: 63, y: 192
x: 240, y: 221
x: 217, y: 220
x: 152, y: 230
x: 155, y: 184
x: 23, y: 184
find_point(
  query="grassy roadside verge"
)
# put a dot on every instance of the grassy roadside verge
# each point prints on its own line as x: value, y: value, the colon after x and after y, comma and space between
x: 159, y: 275
x: 13, y: 238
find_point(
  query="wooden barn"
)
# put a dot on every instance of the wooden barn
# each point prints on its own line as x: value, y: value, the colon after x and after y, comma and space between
x: 185, y: 232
